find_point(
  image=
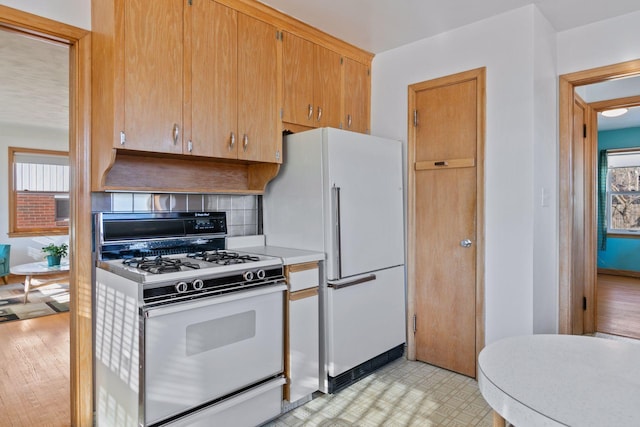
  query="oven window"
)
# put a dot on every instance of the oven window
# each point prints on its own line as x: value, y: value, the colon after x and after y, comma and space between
x: 216, y: 333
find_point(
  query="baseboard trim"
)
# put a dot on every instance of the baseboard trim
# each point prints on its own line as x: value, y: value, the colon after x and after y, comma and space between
x: 623, y: 273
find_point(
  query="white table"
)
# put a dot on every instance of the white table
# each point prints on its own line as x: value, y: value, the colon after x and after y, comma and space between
x: 38, y: 269
x: 561, y: 380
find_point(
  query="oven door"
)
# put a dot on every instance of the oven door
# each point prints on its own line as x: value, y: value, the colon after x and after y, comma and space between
x: 202, y: 350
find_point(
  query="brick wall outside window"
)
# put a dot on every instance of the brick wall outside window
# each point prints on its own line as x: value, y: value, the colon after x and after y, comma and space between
x: 37, y: 211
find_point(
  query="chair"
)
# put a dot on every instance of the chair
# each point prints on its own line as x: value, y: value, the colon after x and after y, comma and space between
x: 4, y: 262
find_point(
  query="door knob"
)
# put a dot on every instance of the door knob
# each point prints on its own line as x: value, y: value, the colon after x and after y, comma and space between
x: 466, y: 243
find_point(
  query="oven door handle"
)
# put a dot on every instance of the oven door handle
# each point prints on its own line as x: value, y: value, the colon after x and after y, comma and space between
x: 216, y: 300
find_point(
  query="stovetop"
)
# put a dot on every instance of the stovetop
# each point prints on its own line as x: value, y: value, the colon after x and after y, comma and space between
x: 198, y: 265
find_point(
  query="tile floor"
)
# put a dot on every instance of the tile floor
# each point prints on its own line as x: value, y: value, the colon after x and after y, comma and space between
x: 403, y: 393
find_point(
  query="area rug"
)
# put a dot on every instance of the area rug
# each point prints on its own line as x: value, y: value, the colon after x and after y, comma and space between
x: 44, y: 300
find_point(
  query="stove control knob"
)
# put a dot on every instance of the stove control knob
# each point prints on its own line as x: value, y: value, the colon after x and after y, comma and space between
x: 260, y: 274
x: 181, y: 287
x: 198, y: 284
x: 248, y: 276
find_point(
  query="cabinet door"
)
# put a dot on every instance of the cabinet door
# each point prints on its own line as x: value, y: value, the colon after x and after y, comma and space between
x: 214, y: 86
x: 297, y: 69
x: 258, y: 115
x: 357, y: 88
x: 153, y: 73
x: 327, y: 88
x: 304, y: 346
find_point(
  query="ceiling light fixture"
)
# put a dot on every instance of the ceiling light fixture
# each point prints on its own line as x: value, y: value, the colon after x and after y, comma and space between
x: 615, y: 112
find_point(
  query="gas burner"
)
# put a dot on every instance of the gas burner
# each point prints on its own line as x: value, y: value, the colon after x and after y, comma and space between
x: 223, y: 257
x: 159, y: 264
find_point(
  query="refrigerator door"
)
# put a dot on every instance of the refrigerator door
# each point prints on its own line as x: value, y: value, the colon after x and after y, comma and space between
x: 363, y: 183
x: 364, y: 320
x: 294, y: 200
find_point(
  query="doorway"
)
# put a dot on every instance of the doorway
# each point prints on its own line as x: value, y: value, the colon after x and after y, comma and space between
x: 572, y: 267
x: 79, y: 42
x: 615, y: 145
x: 446, y: 221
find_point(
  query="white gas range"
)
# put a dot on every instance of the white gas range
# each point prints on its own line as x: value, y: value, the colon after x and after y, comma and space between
x: 187, y: 333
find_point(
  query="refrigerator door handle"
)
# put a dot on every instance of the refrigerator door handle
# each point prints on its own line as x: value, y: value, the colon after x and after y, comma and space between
x: 337, y: 248
x: 341, y: 284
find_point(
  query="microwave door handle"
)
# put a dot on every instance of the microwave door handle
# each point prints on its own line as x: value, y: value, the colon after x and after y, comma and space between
x: 337, y: 246
x: 345, y: 283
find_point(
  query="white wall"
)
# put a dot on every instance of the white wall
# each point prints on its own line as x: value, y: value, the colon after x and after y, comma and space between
x: 602, y: 43
x: 545, y: 194
x: 72, y: 12
x: 25, y: 249
x: 504, y: 44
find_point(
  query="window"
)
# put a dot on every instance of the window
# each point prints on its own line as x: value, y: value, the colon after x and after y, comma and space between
x: 623, y: 192
x: 39, y: 192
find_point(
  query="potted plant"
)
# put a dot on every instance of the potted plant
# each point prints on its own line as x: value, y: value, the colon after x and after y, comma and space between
x: 55, y: 252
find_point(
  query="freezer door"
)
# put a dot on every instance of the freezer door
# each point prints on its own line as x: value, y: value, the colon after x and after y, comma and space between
x: 364, y: 320
x: 366, y: 228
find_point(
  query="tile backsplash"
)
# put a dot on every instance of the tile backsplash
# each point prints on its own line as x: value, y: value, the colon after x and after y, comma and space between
x: 243, y: 211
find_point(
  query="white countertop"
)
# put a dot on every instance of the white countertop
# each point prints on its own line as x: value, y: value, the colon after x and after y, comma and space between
x: 554, y: 380
x: 255, y: 245
x: 288, y: 255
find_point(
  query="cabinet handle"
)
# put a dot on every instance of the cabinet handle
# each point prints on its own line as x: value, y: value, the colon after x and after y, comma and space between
x: 349, y: 120
x: 190, y: 146
x: 310, y: 112
x: 319, y: 113
x: 245, y: 142
x: 176, y: 133
x: 232, y: 141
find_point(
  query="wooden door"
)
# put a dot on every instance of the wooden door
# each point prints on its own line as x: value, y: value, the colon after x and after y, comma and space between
x: 446, y: 240
x: 153, y: 71
x: 214, y: 86
x: 327, y: 88
x: 579, y: 230
x: 258, y: 111
x: 297, y: 68
x: 357, y: 86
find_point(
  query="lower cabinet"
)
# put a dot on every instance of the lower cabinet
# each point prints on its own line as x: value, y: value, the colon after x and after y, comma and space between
x: 302, y: 364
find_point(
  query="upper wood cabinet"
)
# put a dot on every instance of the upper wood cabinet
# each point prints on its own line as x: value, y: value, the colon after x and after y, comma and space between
x: 258, y: 91
x: 328, y: 67
x: 311, y: 78
x: 152, y: 83
x: 357, y: 96
x: 198, y: 81
x: 214, y: 80
x: 182, y: 83
x: 234, y: 85
x: 137, y: 77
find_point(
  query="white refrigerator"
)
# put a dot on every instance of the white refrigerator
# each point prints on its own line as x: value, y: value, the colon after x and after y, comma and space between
x: 340, y: 193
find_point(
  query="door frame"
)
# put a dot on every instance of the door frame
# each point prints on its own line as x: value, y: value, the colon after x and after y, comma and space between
x: 583, y: 321
x: 478, y: 74
x: 80, y: 328
x: 567, y: 85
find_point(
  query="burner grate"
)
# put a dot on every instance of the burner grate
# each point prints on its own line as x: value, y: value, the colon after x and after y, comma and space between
x: 159, y: 265
x: 223, y: 257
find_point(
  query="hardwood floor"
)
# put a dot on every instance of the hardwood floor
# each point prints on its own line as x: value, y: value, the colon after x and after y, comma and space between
x: 618, y: 310
x: 34, y: 372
